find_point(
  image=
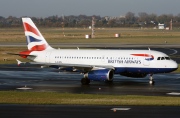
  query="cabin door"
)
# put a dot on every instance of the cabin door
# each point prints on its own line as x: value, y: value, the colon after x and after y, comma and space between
x: 103, y: 59
x: 147, y: 59
x: 47, y: 57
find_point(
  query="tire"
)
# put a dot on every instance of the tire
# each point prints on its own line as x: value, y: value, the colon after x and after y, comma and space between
x: 85, y: 81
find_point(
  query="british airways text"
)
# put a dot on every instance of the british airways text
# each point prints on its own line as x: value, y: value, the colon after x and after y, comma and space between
x: 125, y: 61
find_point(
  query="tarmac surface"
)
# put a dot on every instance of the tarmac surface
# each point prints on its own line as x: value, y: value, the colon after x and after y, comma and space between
x: 68, y: 111
x: 49, y: 79
x: 13, y: 77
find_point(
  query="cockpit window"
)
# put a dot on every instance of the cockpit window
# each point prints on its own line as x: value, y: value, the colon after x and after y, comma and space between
x: 167, y: 58
x: 162, y: 58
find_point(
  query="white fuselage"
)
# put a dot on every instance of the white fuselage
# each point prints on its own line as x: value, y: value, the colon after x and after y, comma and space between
x: 146, y: 61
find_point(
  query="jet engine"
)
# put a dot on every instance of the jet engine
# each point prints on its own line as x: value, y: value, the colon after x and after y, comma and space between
x: 100, y: 75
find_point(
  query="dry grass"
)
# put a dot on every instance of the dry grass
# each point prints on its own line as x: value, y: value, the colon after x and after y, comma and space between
x: 103, y: 35
x: 10, y: 59
x: 15, y: 97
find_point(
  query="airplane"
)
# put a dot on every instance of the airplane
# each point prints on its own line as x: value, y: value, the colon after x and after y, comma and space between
x: 95, y: 64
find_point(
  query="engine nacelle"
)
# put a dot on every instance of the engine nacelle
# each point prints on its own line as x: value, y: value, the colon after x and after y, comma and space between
x: 100, y: 75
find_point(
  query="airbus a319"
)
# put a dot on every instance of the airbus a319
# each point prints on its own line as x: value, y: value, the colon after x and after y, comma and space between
x: 96, y: 65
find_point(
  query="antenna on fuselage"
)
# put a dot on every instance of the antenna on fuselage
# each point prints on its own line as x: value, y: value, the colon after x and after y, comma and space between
x: 149, y: 48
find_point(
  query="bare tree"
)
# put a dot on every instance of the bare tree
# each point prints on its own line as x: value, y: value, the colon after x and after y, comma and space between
x: 130, y: 18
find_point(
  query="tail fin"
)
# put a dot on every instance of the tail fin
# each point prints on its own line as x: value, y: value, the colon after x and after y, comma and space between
x: 35, y: 40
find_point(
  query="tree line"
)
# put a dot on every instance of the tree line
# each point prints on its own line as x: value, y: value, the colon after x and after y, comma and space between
x: 143, y: 19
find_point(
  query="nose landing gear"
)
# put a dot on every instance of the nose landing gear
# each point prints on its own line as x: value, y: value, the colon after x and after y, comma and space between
x: 151, y: 81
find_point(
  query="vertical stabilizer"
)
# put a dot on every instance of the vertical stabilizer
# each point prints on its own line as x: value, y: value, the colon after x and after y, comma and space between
x: 35, y: 40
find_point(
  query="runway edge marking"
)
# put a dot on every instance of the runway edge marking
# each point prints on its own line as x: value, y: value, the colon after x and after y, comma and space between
x: 120, y: 109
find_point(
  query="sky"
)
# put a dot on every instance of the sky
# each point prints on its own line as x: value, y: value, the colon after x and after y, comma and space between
x: 45, y: 8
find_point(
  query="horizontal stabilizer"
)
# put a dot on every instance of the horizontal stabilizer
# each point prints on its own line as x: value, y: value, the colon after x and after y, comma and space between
x: 20, y: 62
x: 22, y: 55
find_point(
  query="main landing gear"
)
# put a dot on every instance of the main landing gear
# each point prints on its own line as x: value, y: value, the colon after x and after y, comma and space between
x: 85, y: 81
x: 151, y: 81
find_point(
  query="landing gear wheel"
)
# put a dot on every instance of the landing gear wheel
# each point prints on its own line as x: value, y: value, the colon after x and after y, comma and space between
x: 151, y: 82
x: 85, y: 81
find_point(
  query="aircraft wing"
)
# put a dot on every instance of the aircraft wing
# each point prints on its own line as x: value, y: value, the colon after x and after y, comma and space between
x: 81, y: 67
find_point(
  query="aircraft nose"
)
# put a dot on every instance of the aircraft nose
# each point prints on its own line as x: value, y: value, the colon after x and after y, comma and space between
x: 174, y: 65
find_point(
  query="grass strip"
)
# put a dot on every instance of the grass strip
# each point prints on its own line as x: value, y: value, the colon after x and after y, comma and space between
x: 16, y: 97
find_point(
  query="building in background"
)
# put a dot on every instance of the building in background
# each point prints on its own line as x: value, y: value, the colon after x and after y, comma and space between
x: 161, y: 26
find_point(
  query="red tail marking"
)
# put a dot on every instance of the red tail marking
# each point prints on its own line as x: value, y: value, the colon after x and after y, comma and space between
x: 24, y: 54
x: 29, y: 28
